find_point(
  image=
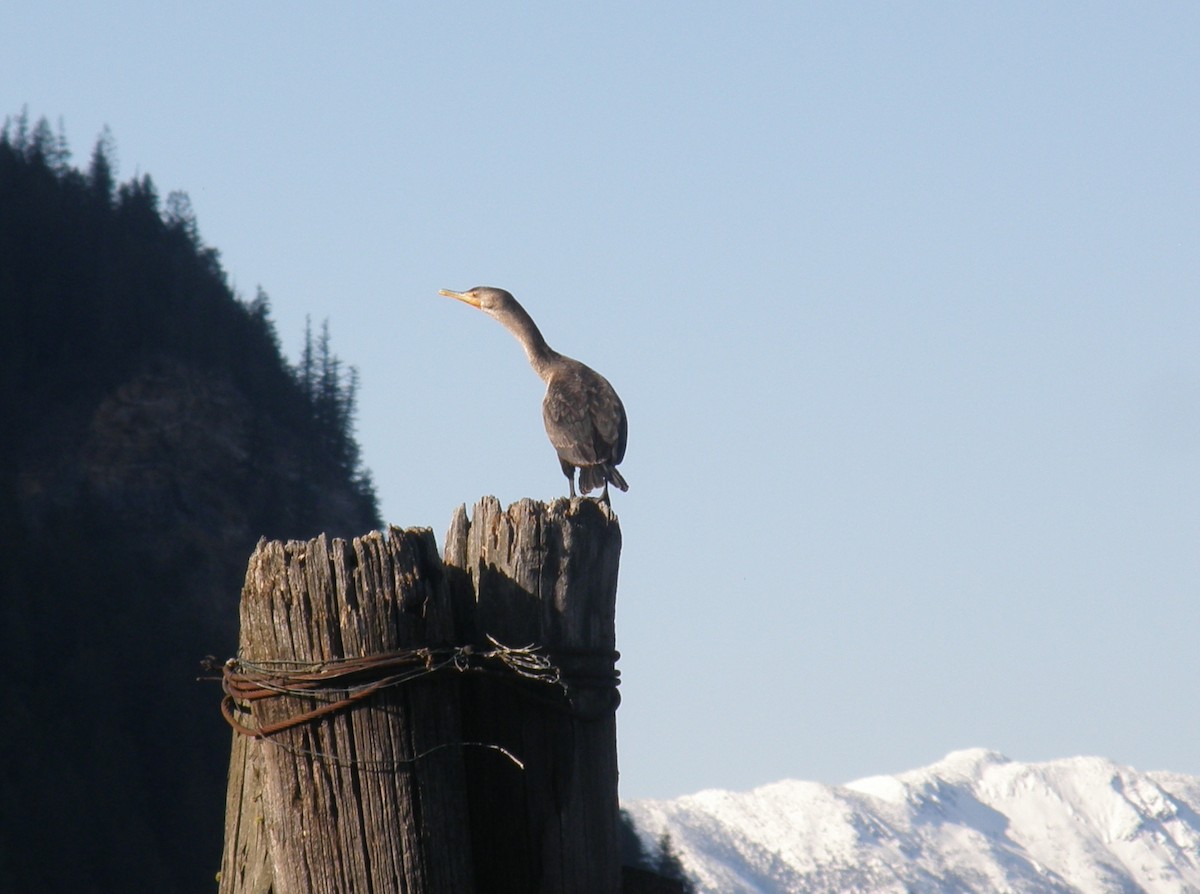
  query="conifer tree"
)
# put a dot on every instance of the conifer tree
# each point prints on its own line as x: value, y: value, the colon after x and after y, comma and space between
x: 179, y: 216
x: 100, y: 171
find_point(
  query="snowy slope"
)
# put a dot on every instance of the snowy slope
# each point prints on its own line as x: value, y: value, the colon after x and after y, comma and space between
x: 974, y: 822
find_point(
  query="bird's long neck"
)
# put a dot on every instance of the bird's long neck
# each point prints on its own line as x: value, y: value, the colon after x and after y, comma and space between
x: 520, y: 324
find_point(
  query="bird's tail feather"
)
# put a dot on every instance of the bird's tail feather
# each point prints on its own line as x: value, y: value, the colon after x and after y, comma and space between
x: 590, y: 478
x: 615, y: 477
x: 593, y: 477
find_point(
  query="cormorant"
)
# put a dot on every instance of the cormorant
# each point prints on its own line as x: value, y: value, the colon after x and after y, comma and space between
x: 584, y: 417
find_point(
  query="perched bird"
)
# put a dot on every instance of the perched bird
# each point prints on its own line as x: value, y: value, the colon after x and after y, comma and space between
x: 584, y: 417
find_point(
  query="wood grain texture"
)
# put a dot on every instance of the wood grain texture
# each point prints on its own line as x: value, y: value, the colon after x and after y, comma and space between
x: 449, y: 783
x: 542, y: 574
x: 371, y: 799
x: 246, y: 863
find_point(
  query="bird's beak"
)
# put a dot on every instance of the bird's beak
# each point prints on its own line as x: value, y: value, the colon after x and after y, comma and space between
x: 465, y: 297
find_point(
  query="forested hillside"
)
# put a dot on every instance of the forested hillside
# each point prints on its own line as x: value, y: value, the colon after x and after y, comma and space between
x: 150, y: 433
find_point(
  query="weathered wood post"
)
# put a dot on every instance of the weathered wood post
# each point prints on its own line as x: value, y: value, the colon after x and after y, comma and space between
x: 367, y: 799
x: 543, y: 574
x: 389, y: 741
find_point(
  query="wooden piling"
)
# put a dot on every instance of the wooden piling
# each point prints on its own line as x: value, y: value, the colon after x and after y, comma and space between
x: 545, y: 574
x: 368, y: 799
x: 482, y: 778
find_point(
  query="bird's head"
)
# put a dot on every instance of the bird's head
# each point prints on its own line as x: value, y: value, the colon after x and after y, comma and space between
x: 489, y: 300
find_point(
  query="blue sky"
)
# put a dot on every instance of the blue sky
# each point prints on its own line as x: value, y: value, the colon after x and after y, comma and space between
x: 901, y: 298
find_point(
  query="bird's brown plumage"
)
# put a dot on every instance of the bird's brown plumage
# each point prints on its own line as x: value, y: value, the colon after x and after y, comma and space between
x: 585, y: 419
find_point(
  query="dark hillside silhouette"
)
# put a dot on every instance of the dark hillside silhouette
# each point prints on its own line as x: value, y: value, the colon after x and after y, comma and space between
x: 150, y: 433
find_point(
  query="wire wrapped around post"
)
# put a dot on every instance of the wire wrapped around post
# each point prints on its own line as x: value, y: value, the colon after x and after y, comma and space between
x: 340, y: 684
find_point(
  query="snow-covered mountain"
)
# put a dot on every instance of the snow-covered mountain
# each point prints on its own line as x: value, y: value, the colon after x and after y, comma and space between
x: 974, y: 822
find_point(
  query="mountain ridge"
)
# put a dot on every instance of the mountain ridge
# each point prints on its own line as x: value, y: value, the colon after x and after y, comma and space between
x: 975, y: 821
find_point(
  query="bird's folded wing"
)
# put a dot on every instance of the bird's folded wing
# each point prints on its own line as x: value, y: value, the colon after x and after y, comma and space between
x: 569, y: 426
